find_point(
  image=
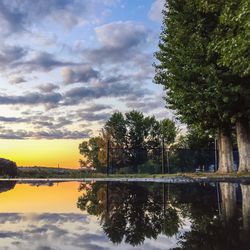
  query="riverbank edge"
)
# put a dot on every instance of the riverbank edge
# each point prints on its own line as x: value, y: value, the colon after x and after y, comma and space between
x: 167, y: 178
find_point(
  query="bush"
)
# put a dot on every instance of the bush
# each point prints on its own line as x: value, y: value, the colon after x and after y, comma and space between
x: 149, y: 167
x: 8, y: 168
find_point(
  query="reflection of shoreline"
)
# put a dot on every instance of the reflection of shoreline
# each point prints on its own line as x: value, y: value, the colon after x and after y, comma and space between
x: 6, y: 186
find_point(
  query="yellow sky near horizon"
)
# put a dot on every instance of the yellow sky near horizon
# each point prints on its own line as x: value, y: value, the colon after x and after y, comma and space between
x: 26, y: 198
x: 48, y: 153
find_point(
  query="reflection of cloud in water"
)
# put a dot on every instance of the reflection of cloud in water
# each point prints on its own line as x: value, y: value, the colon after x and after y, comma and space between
x: 64, y: 231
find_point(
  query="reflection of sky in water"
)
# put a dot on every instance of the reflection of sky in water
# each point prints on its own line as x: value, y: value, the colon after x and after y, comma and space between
x: 45, y: 218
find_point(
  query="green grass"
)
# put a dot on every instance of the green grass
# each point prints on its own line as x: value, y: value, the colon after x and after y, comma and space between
x: 80, y: 174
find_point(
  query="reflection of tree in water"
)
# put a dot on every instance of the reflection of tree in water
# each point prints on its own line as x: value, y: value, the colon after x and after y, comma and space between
x: 130, y: 212
x: 133, y: 212
x: 7, y: 185
x: 245, y: 234
x: 218, y: 230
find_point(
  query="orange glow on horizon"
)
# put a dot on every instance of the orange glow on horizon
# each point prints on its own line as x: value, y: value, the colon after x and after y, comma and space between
x: 47, y: 153
x: 25, y: 198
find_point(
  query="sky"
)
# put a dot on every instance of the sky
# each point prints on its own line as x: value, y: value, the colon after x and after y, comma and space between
x: 66, y: 66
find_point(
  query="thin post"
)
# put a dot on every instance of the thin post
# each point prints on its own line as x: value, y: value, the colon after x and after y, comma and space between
x: 107, y: 197
x: 168, y: 161
x: 164, y: 198
x: 108, y: 148
x: 163, y: 157
x: 215, y: 155
x: 218, y: 197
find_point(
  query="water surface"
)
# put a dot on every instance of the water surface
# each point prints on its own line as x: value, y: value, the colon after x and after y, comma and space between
x: 100, y: 215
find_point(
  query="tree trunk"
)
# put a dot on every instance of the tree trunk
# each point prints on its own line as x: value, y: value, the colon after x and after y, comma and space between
x: 243, y: 141
x: 245, y: 189
x: 228, y: 201
x: 225, y: 148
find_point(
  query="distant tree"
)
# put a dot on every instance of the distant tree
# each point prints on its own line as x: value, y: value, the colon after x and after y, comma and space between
x: 92, y: 150
x: 8, y: 168
x: 133, y: 139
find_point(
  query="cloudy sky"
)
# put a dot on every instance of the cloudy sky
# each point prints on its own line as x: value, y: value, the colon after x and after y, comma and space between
x: 66, y: 65
x: 41, y: 218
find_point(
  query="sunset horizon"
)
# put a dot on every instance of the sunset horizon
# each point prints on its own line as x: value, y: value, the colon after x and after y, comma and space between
x: 62, y: 78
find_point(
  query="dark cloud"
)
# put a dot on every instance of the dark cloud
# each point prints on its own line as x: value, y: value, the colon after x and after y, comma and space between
x: 31, y: 99
x: 48, y: 218
x: 42, y: 61
x: 145, y: 105
x: 21, y: 15
x: 10, y: 235
x: 50, y: 122
x: 119, y: 42
x: 91, y: 117
x: 11, y: 19
x: 48, y: 87
x: 61, y: 134
x: 15, y: 135
x: 17, y: 80
x: 81, y: 73
x: 50, y: 134
x: 13, y: 119
x: 96, y: 107
x: 82, y: 94
x: 59, y: 122
x: 18, y: 15
x: 11, y: 54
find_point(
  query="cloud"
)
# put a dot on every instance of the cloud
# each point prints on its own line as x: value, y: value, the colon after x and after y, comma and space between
x: 42, y: 61
x: 96, y: 107
x: 23, y: 15
x: 16, y: 80
x: 155, y: 12
x: 11, y: 54
x: 145, y: 105
x: 31, y: 99
x: 82, y: 73
x: 118, y: 40
x: 13, y: 119
x: 50, y: 134
x: 48, y: 87
x: 19, y: 15
x: 91, y: 117
x: 83, y: 94
x: 121, y: 34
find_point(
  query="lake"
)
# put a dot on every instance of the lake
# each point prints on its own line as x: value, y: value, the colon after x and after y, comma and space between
x: 119, y: 215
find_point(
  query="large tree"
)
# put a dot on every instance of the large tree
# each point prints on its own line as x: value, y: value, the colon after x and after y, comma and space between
x: 231, y: 43
x: 198, y: 86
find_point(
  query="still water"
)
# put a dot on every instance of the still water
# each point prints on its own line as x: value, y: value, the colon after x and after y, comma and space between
x: 100, y: 215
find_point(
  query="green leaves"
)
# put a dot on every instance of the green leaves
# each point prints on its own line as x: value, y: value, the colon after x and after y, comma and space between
x: 204, y: 61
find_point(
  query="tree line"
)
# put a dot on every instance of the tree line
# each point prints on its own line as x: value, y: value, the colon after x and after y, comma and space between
x: 133, y: 139
x: 135, y: 143
x: 204, y: 66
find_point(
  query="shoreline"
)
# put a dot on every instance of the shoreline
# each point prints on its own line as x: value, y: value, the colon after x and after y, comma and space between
x: 162, y: 179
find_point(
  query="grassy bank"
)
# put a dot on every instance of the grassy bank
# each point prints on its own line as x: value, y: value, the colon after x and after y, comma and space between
x: 46, y: 173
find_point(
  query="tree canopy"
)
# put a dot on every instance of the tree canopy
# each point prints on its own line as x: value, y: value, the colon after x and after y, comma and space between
x: 133, y: 139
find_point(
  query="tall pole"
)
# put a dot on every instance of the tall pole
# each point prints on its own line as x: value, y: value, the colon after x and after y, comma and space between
x: 215, y: 155
x: 168, y: 160
x: 163, y: 157
x: 107, y: 197
x: 108, y: 148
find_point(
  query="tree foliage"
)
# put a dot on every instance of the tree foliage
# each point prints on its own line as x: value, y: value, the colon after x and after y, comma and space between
x: 204, y: 65
x: 8, y: 168
x: 133, y: 139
